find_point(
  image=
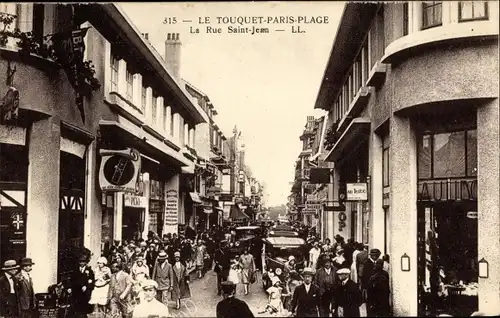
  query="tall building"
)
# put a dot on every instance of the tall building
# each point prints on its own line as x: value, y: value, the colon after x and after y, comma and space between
x: 411, y: 91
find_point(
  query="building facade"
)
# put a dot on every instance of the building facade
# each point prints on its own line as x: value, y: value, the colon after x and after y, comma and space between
x: 413, y: 132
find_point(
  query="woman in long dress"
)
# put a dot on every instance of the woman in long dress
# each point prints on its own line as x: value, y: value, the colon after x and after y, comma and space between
x: 247, y: 268
x: 354, y: 267
x: 180, y: 281
x: 99, y: 297
x: 235, y: 272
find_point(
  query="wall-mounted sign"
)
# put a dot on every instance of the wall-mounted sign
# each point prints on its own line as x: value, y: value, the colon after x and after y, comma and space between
x: 342, y: 217
x: 309, y: 211
x: 156, y: 206
x: 119, y: 170
x: 171, y: 207
x: 357, y: 192
x: 157, y: 190
x: 135, y: 201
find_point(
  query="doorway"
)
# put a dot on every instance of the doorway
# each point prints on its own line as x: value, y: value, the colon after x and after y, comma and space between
x: 132, y: 223
x: 447, y: 258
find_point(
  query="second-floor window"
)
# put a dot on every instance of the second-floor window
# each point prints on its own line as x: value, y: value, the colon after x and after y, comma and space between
x: 153, y: 109
x: 405, y: 18
x: 130, y: 85
x: 143, y: 99
x: 172, y: 123
x: 432, y: 14
x: 472, y: 10
x: 114, y: 74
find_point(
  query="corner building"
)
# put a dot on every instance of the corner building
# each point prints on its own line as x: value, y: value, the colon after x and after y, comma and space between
x: 412, y: 94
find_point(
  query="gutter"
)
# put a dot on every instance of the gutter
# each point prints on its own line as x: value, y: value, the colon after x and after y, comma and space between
x: 116, y: 14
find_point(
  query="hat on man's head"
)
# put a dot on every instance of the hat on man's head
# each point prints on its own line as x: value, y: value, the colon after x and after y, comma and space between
x: 143, y: 244
x: 83, y: 258
x: 148, y: 283
x: 291, y: 257
x: 228, y: 287
x: 375, y: 251
x: 343, y: 271
x: 162, y: 255
x: 26, y: 261
x: 308, y: 271
x: 177, y: 254
x: 327, y: 258
x: 10, y: 264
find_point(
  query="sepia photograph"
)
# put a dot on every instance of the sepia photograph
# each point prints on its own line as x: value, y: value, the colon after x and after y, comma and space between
x: 240, y: 159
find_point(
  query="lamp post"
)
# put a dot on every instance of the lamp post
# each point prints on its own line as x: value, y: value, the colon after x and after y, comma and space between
x: 483, y: 268
x: 405, y: 263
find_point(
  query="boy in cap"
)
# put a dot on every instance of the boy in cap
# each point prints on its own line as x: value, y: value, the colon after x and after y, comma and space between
x: 305, y: 300
x: 348, y: 298
x: 150, y: 306
x: 230, y: 306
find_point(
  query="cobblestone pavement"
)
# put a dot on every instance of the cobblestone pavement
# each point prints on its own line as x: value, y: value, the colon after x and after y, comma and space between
x: 204, y: 298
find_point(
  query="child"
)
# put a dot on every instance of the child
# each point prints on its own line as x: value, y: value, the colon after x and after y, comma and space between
x: 235, y: 271
x: 275, y: 305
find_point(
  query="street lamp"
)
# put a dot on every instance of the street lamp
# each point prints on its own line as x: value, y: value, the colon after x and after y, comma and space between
x: 483, y: 268
x: 405, y: 263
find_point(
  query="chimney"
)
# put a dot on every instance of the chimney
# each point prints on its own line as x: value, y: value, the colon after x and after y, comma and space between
x: 173, y: 54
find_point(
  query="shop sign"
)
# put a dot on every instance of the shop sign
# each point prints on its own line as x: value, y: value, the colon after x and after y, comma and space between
x: 156, y: 206
x: 226, y: 171
x: 312, y: 197
x: 135, y: 201
x: 357, y: 192
x: 309, y: 211
x: 156, y: 190
x: 171, y: 208
x: 314, y: 204
x: 119, y: 170
x: 447, y: 190
x: 342, y: 217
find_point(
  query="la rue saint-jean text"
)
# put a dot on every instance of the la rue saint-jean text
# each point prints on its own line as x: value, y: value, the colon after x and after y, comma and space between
x: 247, y: 25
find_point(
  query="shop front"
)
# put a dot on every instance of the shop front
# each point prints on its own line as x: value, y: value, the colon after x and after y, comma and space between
x: 133, y: 217
x: 447, y: 209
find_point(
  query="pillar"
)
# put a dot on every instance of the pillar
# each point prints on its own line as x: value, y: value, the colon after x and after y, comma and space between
x: 160, y: 114
x: 376, y: 188
x: 168, y: 121
x: 147, y: 194
x: 149, y: 102
x: 404, y: 216
x: 137, y: 90
x: 117, y: 216
x: 90, y: 156
x: 488, y: 136
x: 333, y: 195
x: 176, y: 132
x: 43, y: 201
x: 186, y: 135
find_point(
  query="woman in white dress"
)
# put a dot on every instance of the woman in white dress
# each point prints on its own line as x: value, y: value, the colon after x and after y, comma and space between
x: 99, y: 297
x: 235, y: 272
x: 354, y: 271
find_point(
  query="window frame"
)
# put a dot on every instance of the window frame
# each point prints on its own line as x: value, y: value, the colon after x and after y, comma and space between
x: 386, y: 180
x: 406, y: 19
x: 114, y: 72
x: 154, y: 108
x: 485, y: 17
x: 144, y: 98
x: 432, y: 145
x: 426, y: 6
x: 129, y: 89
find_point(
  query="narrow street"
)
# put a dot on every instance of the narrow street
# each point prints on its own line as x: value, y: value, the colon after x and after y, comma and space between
x: 204, y: 298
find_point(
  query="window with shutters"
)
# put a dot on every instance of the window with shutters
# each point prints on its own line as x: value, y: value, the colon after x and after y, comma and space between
x: 432, y: 14
x: 472, y: 10
x: 114, y: 73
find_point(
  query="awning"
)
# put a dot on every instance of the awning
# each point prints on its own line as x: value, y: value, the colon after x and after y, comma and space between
x: 357, y: 129
x: 235, y: 213
x: 195, y: 197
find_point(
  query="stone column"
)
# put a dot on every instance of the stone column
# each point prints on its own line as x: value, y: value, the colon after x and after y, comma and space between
x: 148, y: 116
x: 404, y: 216
x: 90, y: 156
x: 488, y: 161
x: 43, y: 201
x: 376, y: 210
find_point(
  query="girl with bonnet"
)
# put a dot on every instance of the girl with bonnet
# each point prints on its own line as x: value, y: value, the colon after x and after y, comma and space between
x: 99, y: 297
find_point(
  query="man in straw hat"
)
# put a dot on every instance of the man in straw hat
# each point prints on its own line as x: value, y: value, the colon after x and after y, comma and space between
x: 9, y: 290
x: 348, y: 295
x: 162, y: 274
x: 230, y: 306
x: 150, y: 306
x: 306, y: 298
x: 27, y: 301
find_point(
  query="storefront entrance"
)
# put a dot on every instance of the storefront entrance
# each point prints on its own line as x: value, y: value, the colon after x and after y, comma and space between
x: 71, y: 213
x: 132, y: 223
x: 447, y: 245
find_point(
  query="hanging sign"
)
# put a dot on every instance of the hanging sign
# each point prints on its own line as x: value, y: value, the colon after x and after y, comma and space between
x: 135, y: 201
x: 357, y: 192
x: 119, y: 170
x: 171, y: 208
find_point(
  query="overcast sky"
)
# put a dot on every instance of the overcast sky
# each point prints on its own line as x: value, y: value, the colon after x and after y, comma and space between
x: 265, y: 84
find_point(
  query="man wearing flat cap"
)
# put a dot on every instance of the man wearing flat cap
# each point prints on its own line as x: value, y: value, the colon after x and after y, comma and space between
x: 9, y: 290
x: 368, y: 267
x: 27, y: 301
x: 326, y: 279
x: 150, y: 306
x: 348, y: 296
x: 306, y: 299
x: 230, y: 306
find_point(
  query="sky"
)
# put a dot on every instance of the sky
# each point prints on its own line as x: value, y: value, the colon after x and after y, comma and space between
x: 265, y: 84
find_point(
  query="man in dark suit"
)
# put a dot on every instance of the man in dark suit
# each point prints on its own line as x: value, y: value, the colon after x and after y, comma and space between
x: 348, y: 295
x: 306, y: 300
x: 326, y: 280
x: 9, y: 290
x: 230, y: 306
x: 222, y: 265
x: 367, y: 272
x: 82, y: 284
x: 27, y: 301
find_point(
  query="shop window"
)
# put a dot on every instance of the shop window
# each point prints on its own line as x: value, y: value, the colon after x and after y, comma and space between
x: 448, y: 155
x: 432, y: 14
x: 472, y: 10
x: 114, y: 73
x: 130, y: 85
